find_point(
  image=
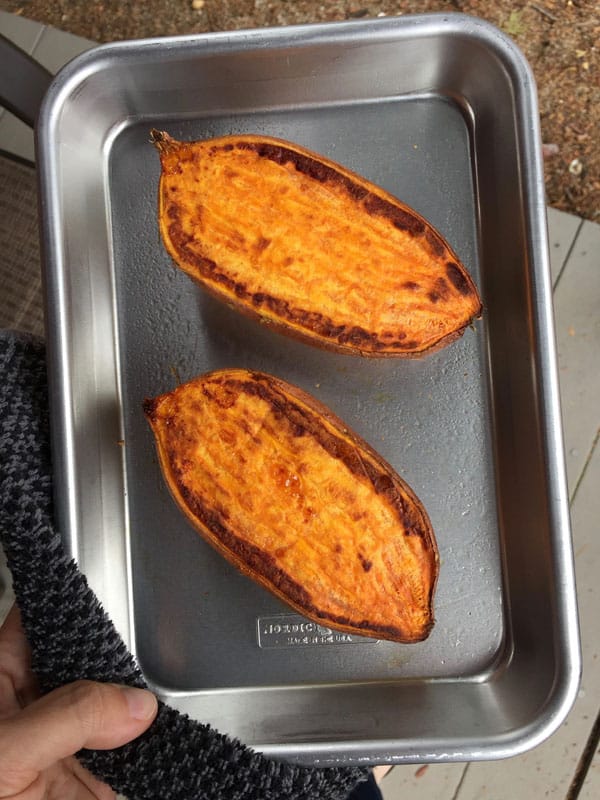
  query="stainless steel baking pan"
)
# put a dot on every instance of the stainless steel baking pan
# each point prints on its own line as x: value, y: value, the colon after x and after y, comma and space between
x: 441, y: 111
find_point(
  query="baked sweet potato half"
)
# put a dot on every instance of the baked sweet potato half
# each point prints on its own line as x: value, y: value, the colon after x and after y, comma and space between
x: 298, y: 502
x: 307, y: 246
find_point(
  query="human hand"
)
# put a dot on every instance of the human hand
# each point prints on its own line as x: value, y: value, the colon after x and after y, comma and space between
x: 39, y: 735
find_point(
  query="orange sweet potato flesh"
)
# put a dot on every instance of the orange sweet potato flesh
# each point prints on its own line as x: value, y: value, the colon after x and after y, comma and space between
x: 305, y: 245
x: 298, y: 502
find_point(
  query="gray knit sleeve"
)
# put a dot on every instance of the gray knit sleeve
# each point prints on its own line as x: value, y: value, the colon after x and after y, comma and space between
x: 72, y: 638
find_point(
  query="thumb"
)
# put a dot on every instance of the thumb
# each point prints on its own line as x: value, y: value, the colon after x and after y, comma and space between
x: 82, y: 714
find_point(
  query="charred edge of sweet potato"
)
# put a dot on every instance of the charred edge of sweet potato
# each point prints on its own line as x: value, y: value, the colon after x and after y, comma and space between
x: 247, y: 558
x: 289, y: 321
x: 375, y: 200
x: 149, y: 406
x: 359, y: 189
x: 262, y: 567
x: 337, y: 440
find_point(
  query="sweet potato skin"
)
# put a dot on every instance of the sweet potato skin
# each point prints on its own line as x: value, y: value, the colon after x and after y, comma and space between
x: 308, y: 247
x: 295, y: 500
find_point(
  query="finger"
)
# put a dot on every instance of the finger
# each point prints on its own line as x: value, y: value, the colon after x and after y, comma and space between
x: 12, y: 621
x: 13, y: 642
x: 18, y: 685
x: 82, y: 714
x: 61, y: 783
x: 9, y: 703
x: 68, y: 780
x: 97, y: 789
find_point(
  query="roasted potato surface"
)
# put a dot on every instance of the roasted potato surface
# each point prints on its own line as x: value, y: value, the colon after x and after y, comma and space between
x: 295, y: 500
x: 310, y: 248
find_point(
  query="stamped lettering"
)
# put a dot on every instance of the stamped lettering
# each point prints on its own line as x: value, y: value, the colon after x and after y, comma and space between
x: 292, y: 630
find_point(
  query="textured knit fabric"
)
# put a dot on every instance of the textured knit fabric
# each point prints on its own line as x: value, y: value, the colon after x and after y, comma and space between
x: 72, y: 638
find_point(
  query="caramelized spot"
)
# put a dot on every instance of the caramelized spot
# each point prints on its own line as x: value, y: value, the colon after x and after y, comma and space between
x: 365, y: 563
x: 401, y: 219
x: 441, y: 291
x: 262, y: 244
x: 457, y: 278
x: 435, y: 242
x: 173, y: 211
x: 150, y: 405
x: 228, y: 436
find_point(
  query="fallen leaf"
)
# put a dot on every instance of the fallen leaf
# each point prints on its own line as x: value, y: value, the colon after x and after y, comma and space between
x: 514, y: 25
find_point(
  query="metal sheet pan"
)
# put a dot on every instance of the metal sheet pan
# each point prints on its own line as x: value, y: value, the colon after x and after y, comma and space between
x: 441, y: 111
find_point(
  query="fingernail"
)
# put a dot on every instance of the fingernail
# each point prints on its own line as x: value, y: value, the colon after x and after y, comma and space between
x: 142, y: 703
